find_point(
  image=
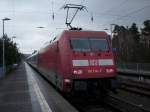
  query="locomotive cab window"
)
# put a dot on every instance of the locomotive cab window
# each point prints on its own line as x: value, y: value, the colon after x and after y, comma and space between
x: 99, y: 44
x: 89, y: 44
x: 78, y: 44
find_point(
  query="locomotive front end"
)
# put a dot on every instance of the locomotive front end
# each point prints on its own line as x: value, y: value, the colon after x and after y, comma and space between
x: 92, y: 62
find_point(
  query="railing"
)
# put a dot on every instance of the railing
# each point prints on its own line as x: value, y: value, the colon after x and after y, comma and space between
x: 135, y: 68
x: 1, y: 72
x: 134, y: 71
x: 8, y: 68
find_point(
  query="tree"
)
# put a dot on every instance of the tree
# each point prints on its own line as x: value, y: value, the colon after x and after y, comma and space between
x: 121, y: 42
x: 146, y: 29
x: 12, y: 54
x: 130, y: 44
x: 145, y: 32
x: 134, y: 31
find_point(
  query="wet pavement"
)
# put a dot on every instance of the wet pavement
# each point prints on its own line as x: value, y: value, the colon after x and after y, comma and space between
x: 14, y: 92
x: 24, y: 90
x: 52, y: 97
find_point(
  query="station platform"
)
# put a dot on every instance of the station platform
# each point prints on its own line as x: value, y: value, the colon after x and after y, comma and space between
x: 24, y: 90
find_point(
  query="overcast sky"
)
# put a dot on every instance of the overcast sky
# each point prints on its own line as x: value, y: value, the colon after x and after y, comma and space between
x: 27, y: 15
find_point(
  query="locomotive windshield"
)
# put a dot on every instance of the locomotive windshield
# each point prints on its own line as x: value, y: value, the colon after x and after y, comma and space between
x: 79, y: 44
x: 89, y: 44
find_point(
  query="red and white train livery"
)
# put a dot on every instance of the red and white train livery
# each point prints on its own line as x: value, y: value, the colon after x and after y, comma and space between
x: 77, y: 60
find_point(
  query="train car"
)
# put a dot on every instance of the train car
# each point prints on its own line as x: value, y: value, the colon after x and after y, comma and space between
x: 78, y: 61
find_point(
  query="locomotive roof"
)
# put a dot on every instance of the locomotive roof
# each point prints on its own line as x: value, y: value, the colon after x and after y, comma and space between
x: 78, y: 32
x: 69, y: 32
x: 84, y: 31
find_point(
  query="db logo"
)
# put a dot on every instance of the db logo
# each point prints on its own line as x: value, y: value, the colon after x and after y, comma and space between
x: 91, y: 54
x: 93, y: 62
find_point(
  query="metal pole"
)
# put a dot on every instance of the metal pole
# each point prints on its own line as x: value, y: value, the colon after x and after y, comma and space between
x: 111, y: 30
x: 4, y: 66
x: 3, y: 50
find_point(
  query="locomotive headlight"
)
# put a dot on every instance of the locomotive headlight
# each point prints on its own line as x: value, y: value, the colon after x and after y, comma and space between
x: 109, y: 70
x: 80, y: 71
x: 77, y: 71
x: 67, y: 80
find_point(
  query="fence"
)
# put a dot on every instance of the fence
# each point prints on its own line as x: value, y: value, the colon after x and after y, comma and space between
x: 136, y: 68
x: 8, y: 68
x: 134, y: 71
x: 1, y: 72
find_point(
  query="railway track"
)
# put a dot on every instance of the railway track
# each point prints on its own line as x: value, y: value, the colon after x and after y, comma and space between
x: 91, y: 105
x: 84, y: 103
x: 112, y: 103
x: 136, y: 87
x: 123, y: 105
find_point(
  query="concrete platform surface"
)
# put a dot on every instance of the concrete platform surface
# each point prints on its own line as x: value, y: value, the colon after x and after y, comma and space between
x: 24, y: 90
x: 14, y: 92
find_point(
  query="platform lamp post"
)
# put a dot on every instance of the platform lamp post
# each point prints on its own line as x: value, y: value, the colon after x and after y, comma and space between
x: 111, y: 31
x: 40, y: 27
x: 110, y: 36
x: 111, y: 28
x: 4, y: 66
x: 13, y: 37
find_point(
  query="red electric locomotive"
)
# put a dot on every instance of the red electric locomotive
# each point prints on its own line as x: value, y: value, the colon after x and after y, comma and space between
x: 78, y: 60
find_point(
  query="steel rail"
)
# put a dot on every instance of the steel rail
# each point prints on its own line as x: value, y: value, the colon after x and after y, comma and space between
x: 124, y: 105
x: 136, y: 87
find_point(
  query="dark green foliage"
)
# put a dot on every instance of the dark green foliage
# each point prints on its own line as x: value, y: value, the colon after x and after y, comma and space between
x: 134, y: 31
x: 146, y: 29
x: 133, y: 45
x: 12, y: 54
